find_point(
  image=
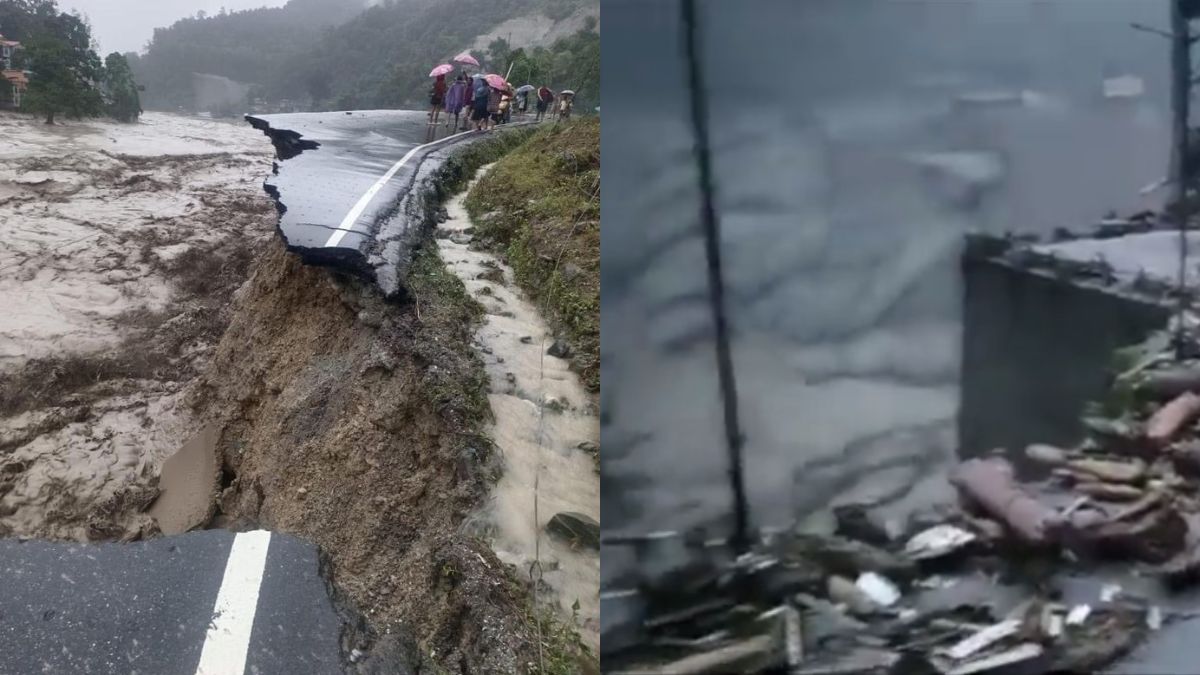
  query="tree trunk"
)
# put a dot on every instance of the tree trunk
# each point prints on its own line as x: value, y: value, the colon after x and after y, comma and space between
x: 50, y: 117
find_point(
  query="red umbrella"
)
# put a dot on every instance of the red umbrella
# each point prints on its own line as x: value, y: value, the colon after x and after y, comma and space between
x: 466, y: 57
x: 443, y: 69
x: 495, y: 81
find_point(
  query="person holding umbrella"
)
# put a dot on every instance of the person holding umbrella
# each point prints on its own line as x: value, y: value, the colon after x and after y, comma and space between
x: 523, y: 98
x: 465, y: 59
x: 437, y: 93
x: 566, y: 99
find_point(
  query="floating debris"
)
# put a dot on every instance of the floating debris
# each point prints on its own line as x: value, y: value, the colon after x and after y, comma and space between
x: 1078, y: 614
x: 938, y: 541
x: 878, y: 588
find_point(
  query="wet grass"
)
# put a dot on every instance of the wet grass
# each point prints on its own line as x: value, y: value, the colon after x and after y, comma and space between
x: 447, y: 315
x: 539, y: 207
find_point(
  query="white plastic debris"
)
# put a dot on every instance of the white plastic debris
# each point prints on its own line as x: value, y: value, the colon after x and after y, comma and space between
x: 1018, y: 654
x: 937, y: 541
x: 1109, y: 592
x: 1052, y: 622
x: 936, y: 581
x: 879, y: 588
x: 793, y: 639
x: 1154, y: 618
x: 1054, y: 627
x: 1078, y: 614
x: 983, y: 639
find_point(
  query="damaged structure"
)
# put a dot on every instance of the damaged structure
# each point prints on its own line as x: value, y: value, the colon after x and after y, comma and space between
x: 365, y: 219
x: 1079, y: 501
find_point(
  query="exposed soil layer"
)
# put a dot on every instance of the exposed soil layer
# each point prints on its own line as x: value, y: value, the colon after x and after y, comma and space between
x: 352, y: 423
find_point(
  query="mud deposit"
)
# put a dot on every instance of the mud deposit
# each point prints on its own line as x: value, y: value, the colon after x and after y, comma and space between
x: 123, y: 245
x: 533, y: 438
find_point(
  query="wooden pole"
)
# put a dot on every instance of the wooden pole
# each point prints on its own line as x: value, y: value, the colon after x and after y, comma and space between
x: 1181, y: 83
x: 710, y: 222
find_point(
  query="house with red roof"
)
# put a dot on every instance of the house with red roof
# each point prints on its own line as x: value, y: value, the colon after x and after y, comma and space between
x: 15, y: 81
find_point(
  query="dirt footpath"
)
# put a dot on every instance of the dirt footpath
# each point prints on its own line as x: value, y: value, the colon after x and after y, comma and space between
x: 123, y: 246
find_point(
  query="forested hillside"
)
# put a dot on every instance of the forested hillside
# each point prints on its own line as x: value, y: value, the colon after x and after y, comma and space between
x: 333, y: 54
x: 250, y: 46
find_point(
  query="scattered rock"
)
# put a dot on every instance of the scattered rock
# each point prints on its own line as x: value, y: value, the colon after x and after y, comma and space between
x: 441, y: 233
x: 856, y: 522
x: 460, y: 238
x: 589, y: 447
x: 494, y: 275
x: 369, y: 318
x: 570, y: 271
x: 560, y: 349
x: 528, y: 339
x: 557, y: 404
x: 577, y: 529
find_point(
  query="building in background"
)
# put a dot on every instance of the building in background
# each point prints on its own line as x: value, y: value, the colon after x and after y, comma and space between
x: 16, y: 80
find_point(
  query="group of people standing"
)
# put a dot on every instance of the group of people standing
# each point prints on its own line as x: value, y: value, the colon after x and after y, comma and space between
x: 484, y: 105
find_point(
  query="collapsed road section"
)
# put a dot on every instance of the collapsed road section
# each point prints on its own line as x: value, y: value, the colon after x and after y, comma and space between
x: 352, y: 203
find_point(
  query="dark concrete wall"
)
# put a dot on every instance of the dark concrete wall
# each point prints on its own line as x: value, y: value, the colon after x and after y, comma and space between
x: 1035, y: 350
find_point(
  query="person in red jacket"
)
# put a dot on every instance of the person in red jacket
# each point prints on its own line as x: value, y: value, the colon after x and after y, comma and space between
x: 437, y: 98
x: 545, y: 98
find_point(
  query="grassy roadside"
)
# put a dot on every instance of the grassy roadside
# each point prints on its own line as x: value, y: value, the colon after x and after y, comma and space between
x: 540, y: 208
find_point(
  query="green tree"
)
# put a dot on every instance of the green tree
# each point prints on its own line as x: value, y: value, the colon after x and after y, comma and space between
x: 66, y: 71
x: 121, y: 90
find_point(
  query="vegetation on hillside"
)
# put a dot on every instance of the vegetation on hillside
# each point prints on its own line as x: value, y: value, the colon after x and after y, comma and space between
x: 252, y: 46
x: 378, y: 57
x: 68, y: 77
x: 540, y: 206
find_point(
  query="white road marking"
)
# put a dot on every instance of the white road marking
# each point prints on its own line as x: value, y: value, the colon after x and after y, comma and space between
x: 228, y: 637
x: 351, y: 217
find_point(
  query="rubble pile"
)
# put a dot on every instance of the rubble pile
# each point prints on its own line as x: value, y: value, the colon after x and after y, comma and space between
x: 965, y: 588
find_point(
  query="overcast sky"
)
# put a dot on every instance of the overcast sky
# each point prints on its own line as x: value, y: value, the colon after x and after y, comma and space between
x: 127, y: 25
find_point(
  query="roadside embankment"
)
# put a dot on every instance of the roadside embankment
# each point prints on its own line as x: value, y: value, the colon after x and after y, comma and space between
x: 540, y: 208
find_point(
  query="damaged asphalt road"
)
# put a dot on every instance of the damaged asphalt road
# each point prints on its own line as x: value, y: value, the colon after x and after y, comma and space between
x: 341, y: 181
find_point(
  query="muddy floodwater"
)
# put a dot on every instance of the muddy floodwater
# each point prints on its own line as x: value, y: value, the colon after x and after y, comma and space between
x: 542, y: 416
x: 122, y: 246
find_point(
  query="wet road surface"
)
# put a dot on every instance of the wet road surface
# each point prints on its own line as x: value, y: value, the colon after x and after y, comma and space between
x: 206, y: 602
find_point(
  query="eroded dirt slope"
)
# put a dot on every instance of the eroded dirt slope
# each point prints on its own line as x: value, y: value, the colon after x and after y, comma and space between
x: 352, y: 422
